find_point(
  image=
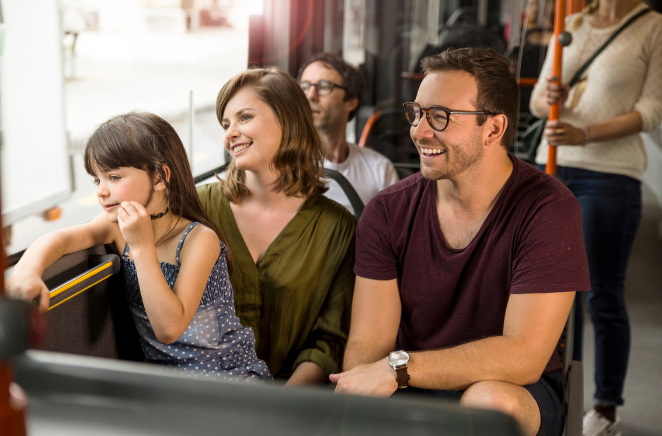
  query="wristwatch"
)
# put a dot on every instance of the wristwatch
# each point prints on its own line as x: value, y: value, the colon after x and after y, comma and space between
x: 398, y: 361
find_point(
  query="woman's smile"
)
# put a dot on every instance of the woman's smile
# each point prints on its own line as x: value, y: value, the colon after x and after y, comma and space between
x: 238, y: 148
x: 251, y: 124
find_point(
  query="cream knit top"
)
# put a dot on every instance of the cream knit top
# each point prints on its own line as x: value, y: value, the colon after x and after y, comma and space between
x: 625, y: 77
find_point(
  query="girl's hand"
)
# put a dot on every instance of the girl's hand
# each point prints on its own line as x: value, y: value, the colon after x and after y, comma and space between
x: 555, y: 93
x: 28, y: 286
x: 560, y: 133
x: 135, y: 225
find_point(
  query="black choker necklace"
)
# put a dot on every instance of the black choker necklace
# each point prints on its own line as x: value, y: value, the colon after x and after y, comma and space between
x: 158, y: 215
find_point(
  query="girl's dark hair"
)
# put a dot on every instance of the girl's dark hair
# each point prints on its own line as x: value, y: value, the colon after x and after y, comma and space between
x: 300, y: 157
x: 147, y: 142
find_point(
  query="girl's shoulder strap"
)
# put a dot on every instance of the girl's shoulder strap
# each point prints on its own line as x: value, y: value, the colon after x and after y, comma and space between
x: 126, y: 249
x: 181, y: 241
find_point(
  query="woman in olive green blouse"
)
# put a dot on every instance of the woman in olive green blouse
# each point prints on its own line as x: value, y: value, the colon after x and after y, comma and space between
x: 293, y: 248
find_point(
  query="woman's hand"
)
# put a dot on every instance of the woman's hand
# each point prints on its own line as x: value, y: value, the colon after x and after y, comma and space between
x: 135, y: 225
x: 560, y: 133
x: 28, y: 286
x: 555, y: 93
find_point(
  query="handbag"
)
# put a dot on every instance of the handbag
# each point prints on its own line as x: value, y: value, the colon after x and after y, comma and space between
x: 532, y: 136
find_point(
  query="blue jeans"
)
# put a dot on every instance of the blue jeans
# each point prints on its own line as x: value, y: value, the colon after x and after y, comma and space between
x: 611, y: 213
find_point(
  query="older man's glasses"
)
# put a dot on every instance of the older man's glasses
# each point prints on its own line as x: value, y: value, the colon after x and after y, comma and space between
x: 437, y: 116
x: 323, y: 87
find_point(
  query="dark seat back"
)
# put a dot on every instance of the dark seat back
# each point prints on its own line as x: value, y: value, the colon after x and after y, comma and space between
x: 96, y: 322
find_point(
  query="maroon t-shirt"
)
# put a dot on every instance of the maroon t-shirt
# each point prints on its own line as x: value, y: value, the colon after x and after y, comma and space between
x: 531, y: 242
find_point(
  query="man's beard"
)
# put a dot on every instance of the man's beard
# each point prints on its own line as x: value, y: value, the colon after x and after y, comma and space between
x: 327, y: 125
x: 457, y: 159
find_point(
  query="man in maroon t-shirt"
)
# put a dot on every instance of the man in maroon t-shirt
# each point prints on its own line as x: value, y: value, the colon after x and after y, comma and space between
x: 469, y: 269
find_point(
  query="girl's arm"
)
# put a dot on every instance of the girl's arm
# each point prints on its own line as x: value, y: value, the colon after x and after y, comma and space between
x: 169, y: 311
x: 25, y: 281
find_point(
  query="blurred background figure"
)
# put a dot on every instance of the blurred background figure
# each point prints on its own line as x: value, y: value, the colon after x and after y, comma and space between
x: 602, y: 159
x: 334, y: 89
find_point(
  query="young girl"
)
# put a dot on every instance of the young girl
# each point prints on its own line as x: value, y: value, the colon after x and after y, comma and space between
x: 175, y: 270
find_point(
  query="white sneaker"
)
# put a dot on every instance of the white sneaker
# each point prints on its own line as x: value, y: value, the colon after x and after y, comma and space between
x: 597, y: 425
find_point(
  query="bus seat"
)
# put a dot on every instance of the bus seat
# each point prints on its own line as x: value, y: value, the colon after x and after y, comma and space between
x: 464, y: 34
x: 573, y: 372
x: 96, y: 322
x: 529, y: 59
x: 387, y: 131
x: 529, y: 69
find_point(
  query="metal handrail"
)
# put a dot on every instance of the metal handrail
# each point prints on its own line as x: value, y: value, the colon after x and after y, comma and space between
x: 107, y: 265
x: 211, y: 173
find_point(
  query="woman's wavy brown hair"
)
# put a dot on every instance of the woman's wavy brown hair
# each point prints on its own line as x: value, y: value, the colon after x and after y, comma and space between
x: 147, y: 142
x: 300, y: 156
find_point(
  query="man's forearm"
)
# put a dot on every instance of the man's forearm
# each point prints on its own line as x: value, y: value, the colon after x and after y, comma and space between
x: 499, y: 358
x: 362, y: 352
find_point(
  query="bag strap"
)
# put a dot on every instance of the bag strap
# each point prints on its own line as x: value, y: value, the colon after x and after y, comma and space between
x: 348, y: 189
x: 578, y: 74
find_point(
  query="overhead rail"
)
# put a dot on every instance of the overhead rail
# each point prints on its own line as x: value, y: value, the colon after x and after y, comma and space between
x: 107, y: 265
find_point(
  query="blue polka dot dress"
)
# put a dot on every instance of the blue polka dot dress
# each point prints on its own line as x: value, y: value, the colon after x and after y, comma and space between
x: 215, y: 344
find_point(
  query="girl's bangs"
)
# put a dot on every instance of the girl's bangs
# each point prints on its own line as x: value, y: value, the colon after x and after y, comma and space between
x: 115, y: 145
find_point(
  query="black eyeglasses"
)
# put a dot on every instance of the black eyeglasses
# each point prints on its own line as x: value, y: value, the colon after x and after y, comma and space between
x: 323, y: 87
x: 437, y: 116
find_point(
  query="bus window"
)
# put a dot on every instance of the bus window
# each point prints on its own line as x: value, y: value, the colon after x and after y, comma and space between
x: 118, y: 57
x: 391, y: 46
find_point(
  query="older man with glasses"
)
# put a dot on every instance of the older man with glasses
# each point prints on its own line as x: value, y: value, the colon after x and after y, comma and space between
x: 469, y: 269
x: 334, y: 89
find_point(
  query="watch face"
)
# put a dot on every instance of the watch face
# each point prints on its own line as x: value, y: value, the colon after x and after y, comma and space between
x: 398, y: 358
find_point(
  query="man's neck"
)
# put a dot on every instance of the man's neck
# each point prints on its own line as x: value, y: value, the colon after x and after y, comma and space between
x: 475, y: 191
x: 335, y: 145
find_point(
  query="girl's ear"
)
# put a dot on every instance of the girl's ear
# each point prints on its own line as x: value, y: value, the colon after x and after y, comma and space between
x: 158, y: 184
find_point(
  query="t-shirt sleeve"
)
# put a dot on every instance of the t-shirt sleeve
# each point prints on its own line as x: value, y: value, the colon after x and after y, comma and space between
x: 375, y: 258
x: 390, y: 175
x: 550, y: 256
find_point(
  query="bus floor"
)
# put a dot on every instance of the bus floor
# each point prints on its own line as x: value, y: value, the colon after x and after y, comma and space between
x: 640, y: 415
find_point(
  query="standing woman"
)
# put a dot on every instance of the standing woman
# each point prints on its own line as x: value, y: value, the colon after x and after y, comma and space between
x: 602, y: 159
x: 293, y: 248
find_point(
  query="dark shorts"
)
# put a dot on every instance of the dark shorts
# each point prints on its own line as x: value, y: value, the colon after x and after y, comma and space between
x: 547, y: 391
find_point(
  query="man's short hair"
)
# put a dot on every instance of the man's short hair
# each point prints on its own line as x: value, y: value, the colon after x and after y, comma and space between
x: 352, y: 78
x: 498, y: 91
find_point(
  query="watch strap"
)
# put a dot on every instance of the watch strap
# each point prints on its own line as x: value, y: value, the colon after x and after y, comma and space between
x: 401, y: 376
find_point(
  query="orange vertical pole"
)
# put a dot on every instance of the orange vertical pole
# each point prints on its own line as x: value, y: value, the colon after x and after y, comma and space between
x: 575, y: 6
x: 557, y: 69
x: 12, y: 413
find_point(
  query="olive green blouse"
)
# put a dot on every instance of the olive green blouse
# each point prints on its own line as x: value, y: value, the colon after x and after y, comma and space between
x: 298, y: 297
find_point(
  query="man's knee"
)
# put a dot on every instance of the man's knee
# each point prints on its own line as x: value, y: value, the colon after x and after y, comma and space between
x: 491, y: 395
x: 506, y: 398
